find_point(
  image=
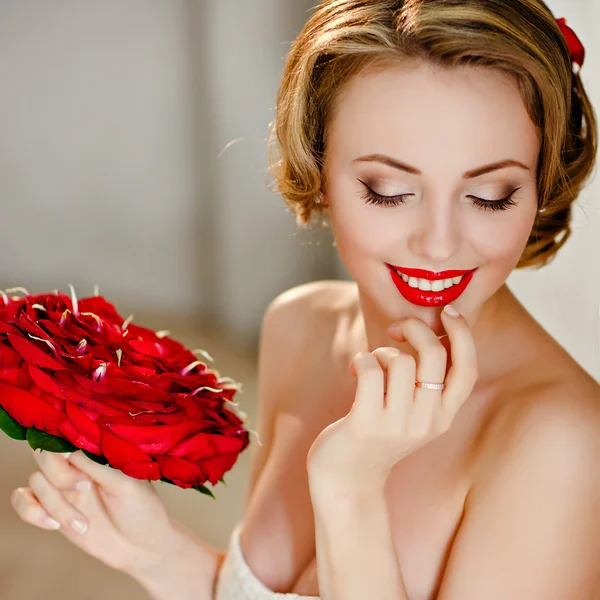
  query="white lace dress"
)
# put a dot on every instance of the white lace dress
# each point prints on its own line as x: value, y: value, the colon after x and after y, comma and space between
x: 237, y: 582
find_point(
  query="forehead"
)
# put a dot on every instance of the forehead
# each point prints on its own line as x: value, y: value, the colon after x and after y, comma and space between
x: 417, y: 111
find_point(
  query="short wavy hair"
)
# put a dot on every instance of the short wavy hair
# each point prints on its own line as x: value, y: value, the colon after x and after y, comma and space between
x: 518, y: 37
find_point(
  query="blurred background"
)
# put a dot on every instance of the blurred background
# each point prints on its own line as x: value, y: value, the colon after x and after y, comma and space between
x: 132, y: 156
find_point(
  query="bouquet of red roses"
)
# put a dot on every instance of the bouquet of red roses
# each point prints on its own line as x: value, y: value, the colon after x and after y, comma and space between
x: 76, y: 375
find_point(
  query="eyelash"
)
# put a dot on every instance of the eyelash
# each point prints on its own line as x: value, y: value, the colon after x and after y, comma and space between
x: 371, y: 197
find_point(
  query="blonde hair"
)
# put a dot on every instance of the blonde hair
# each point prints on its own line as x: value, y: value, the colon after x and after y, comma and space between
x: 518, y: 37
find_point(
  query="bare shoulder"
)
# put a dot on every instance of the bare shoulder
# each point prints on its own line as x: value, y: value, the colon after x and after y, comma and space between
x: 306, y: 313
x: 556, y: 419
x: 316, y: 297
x: 535, y: 489
x: 295, y: 336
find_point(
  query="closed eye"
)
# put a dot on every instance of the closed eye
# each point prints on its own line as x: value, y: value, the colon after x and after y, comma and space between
x: 371, y: 197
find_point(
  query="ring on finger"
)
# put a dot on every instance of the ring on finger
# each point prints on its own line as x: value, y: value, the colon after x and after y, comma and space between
x: 429, y: 386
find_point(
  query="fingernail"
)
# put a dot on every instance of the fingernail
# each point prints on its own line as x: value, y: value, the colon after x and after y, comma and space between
x: 67, y: 454
x: 78, y: 526
x: 451, y: 311
x: 51, y: 523
x: 83, y: 486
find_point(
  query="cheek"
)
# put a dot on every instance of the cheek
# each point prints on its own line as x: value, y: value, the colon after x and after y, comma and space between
x: 362, y: 233
x: 504, y: 242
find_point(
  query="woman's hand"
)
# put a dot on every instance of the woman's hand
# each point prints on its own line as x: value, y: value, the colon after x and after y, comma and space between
x: 117, y: 519
x: 390, y: 417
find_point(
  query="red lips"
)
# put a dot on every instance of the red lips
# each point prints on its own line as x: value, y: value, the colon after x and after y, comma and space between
x: 421, y: 274
x: 426, y: 298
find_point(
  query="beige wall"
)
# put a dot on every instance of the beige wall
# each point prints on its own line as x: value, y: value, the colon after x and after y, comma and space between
x: 96, y: 174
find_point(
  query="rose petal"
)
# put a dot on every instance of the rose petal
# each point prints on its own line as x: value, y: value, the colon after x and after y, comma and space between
x: 31, y: 353
x: 154, y: 439
x: 25, y: 380
x: 80, y: 430
x: 135, y: 388
x: 129, y: 459
x: 11, y: 375
x: 196, y: 447
x: 217, y: 466
x: 225, y: 444
x: 44, y: 381
x: 9, y: 357
x: 29, y: 410
x: 181, y: 472
x: 7, y: 327
x: 99, y: 306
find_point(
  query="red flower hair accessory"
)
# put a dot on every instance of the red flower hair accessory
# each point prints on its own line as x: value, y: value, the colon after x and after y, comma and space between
x: 575, y: 46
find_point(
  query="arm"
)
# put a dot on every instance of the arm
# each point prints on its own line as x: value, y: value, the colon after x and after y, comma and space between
x: 189, y: 571
x: 350, y: 461
x: 356, y: 558
x: 531, y: 529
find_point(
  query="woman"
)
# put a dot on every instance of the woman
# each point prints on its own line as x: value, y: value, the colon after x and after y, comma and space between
x: 409, y: 451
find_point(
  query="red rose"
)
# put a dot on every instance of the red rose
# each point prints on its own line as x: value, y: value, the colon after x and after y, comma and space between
x: 75, y: 370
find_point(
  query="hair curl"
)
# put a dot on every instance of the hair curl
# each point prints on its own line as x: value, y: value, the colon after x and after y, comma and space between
x: 518, y: 37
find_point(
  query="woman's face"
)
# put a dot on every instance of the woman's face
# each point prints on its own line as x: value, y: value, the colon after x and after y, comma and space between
x: 404, y: 148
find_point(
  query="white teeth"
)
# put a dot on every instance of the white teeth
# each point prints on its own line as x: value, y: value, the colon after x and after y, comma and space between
x: 430, y: 286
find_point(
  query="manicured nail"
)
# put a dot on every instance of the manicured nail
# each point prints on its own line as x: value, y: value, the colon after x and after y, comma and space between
x: 78, y: 526
x: 51, y: 523
x: 83, y: 486
x: 451, y: 311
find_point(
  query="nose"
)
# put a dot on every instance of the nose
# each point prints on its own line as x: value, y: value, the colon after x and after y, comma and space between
x: 436, y: 235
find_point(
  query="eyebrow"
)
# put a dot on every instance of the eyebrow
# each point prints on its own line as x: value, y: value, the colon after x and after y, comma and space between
x: 396, y: 164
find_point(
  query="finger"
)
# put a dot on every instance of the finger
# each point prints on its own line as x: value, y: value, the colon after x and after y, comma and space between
x: 56, y: 504
x: 430, y: 368
x: 385, y: 356
x: 399, y: 398
x: 368, y: 400
x: 31, y: 511
x: 463, y: 373
x: 399, y: 381
x: 59, y: 472
x: 431, y: 354
x: 109, y: 479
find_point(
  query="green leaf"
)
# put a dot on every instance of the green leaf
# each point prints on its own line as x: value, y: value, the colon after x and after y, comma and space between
x: 97, y: 459
x: 199, y: 488
x: 222, y: 480
x: 204, y: 490
x: 10, y: 426
x: 45, y: 441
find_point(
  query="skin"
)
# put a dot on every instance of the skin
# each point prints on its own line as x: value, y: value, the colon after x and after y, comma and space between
x: 398, y: 113
x: 524, y: 432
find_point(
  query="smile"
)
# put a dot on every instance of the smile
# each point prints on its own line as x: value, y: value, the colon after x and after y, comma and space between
x: 425, y: 288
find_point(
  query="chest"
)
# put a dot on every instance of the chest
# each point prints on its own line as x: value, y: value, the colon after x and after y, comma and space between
x: 425, y: 497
